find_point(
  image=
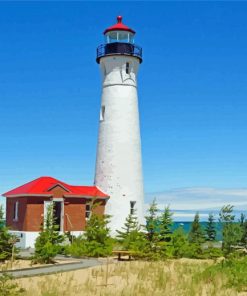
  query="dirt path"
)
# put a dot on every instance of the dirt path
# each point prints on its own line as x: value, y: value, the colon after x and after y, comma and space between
x: 34, y: 271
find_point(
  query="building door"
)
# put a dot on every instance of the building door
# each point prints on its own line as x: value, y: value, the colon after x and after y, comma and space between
x: 47, y: 204
x: 58, y: 208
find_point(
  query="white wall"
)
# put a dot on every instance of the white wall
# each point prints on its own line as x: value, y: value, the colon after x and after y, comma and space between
x: 27, y: 238
x: 119, y: 162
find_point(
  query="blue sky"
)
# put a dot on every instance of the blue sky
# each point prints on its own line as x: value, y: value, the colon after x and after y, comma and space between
x: 192, y: 91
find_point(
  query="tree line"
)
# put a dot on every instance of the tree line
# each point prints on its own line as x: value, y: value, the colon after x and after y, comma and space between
x: 154, y: 240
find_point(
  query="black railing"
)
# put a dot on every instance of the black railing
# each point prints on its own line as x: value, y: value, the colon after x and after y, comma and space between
x: 119, y: 48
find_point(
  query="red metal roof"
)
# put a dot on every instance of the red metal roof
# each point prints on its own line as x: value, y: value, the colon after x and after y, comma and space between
x: 119, y: 26
x: 43, y: 185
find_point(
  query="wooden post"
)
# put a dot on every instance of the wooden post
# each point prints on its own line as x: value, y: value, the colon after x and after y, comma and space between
x: 13, y: 240
x: 12, y: 255
x: 107, y: 270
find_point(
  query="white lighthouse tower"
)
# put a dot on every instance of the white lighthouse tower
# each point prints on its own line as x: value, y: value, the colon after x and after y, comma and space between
x: 119, y: 161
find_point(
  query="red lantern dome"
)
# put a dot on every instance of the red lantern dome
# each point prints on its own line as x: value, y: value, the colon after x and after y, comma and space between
x: 119, y: 26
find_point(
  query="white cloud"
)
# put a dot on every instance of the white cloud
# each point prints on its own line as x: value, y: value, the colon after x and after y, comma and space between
x: 200, y: 198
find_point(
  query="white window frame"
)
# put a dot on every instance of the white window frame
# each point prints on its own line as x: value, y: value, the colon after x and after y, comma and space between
x: 16, y: 210
x: 88, y: 212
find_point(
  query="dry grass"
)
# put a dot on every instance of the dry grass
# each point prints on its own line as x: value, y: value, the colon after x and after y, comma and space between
x: 174, y: 277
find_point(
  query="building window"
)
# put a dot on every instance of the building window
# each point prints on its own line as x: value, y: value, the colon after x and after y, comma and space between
x: 132, y: 207
x: 88, y: 211
x: 16, y: 206
x: 102, y: 113
x: 127, y: 68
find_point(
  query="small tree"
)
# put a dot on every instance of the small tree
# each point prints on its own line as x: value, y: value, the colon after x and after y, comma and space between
x: 231, y: 231
x: 179, y: 243
x: 97, y: 236
x: 243, y: 225
x: 165, y: 232
x: 196, y: 234
x: 210, y: 228
x: 166, y: 223
x: 7, y: 240
x: 48, y: 243
x: 96, y: 240
x: 152, y: 226
x: 8, y: 287
x: 130, y: 232
x: 242, y: 219
x: 1, y: 214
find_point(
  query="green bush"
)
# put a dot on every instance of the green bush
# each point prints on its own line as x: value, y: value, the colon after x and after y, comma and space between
x: 7, y: 287
x: 77, y: 247
x: 234, y: 270
x: 7, y: 241
x: 179, y: 243
x: 212, y: 253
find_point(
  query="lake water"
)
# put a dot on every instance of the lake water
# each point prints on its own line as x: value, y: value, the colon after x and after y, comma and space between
x: 187, y: 225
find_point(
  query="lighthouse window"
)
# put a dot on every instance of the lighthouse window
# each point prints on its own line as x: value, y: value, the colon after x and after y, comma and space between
x: 127, y: 68
x: 132, y: 207
x: 113, y: 37
x: 88, y: 211
x: 123, y: 37
x: 102, y: 113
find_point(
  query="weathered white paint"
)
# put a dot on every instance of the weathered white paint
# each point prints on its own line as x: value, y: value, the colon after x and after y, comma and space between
x: 76, y: 233
x: 119, y: 162
x: 27, y: 238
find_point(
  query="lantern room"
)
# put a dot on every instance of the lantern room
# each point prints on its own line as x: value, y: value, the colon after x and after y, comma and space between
x: 119, y: 33
x: 119, y: 40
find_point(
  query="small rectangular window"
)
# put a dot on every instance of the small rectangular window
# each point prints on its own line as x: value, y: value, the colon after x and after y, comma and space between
x: 127, y: 68
x: 16, y: 208
x: 102, y: 113
x: 132, y: 207
x: 88, y: 211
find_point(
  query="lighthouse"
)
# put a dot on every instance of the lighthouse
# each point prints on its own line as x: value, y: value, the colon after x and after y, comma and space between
x: 119, y: 161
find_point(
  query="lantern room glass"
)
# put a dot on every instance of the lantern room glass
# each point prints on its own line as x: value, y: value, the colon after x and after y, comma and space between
x: 119, y: 36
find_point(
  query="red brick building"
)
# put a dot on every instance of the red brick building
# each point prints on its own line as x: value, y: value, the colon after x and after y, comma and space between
x: 26, y: 207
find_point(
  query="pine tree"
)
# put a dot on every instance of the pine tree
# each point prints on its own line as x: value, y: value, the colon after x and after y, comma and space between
x: 242, y: 219
x: 231, y: 231
x: 196, y: 234
x: 243, y: 225
x: 166, y: 224
x: 130, y: 232
x: 1, y: 214
x: 97, y: 236
x: 2, y: 222
x: 210, y: 228
x: 48, y: 243
x: 244, y: 234
x: 7, y: 240
x: 152, y: 226
x: 179, y: 243
x: 6, y: 244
